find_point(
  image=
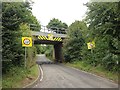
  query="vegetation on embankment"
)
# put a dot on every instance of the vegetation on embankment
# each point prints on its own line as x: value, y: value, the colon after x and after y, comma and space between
x: 16, y: 20
x: 19, y: 77
x: 100, y: 26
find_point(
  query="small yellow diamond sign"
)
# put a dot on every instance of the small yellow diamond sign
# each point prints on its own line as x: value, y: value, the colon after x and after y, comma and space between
x: 26, y: 41
x: 91, y: 45
x: 50, y: 36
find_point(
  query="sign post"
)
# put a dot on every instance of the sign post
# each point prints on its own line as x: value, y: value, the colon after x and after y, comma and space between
x: 91, y: 45
x: 25, y: 57
x: 26, y: 42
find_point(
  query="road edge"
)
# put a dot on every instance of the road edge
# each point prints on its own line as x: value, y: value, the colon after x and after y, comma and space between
x: 36, y: 80
x: 41, y: 75
x: 90, y: 73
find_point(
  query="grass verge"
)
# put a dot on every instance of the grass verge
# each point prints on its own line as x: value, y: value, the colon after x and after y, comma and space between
x: 19, y: 77
x: 95, y: 70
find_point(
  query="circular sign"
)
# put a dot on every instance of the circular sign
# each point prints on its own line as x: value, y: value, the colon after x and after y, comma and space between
x: 26, y: 41
x: 91, y: 45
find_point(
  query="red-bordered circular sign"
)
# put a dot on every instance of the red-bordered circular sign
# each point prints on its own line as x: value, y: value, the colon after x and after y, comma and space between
x: 26, y: 41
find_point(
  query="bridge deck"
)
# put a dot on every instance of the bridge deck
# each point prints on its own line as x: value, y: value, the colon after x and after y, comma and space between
x: 36, y: 33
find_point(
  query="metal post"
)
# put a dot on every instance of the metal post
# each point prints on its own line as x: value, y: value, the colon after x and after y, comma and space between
x: 92, y: 54
x: 25, y: 56
x: 91, y: 51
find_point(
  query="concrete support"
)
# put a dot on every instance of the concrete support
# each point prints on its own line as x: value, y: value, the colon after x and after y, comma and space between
x: 53, y: 54
x: 58, y: 52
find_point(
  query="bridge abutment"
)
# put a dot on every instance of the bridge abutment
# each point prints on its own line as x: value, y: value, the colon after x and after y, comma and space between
x: 58, y: 55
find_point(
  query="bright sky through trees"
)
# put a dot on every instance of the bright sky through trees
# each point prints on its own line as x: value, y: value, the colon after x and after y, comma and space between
x: 65, y: 10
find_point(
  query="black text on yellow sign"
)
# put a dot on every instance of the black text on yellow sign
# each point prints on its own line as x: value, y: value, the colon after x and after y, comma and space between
x: 26, y: 42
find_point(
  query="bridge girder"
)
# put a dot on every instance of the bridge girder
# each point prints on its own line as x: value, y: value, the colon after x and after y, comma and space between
x: 34, y: 33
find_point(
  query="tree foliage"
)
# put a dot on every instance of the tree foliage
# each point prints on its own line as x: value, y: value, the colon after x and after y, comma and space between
x: 103, y: 27
x: 40, y: 49
x: 74, y: 42
x: 16, y: 17
x: 15, y: 13
x: 56, y: 24
x: 103, y: 19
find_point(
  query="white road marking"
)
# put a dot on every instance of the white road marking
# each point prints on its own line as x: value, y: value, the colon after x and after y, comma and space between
x: 41, y: 73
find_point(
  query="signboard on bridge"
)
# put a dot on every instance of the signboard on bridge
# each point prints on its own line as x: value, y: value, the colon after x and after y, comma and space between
x: 26, y: 41
x: 50, y: 36
x: 59, y: 39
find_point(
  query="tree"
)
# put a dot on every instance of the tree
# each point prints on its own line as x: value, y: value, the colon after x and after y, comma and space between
x: 15, y: 13
x: 75, y: 41
x: 56, y: 24
x: 103, y: 20
x: 14, y: 16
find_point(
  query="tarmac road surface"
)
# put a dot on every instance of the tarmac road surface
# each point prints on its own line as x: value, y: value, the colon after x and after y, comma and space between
x: 60, y: 76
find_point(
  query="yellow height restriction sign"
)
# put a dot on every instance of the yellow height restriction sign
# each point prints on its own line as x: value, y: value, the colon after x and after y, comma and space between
x: 26, y: 41
x: 50, y: 37
x: 91, y: 45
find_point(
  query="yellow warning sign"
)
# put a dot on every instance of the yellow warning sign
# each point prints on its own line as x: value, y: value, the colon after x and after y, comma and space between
x: 26, y: 41
x: 42, y: 37
x: 57, y: 39
x: 91, y: 45
x: 50, y: 36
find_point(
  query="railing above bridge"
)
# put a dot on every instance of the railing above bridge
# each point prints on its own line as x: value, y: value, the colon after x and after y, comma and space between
x: 53, y: 30
x: 36, y: 33
x: 56, y: 32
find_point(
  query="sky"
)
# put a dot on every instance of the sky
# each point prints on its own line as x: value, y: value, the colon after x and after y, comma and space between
x: 65, y: 10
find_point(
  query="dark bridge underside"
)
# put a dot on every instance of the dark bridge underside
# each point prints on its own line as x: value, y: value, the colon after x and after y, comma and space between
x: 46, y: 42
x: 58, y: 57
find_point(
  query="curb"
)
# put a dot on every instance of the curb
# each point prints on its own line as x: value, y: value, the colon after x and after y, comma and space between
x: 40, y: 77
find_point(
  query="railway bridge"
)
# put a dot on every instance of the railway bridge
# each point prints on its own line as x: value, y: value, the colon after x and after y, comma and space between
x: 53, y: 37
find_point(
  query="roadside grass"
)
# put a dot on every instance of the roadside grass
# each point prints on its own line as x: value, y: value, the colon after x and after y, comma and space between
x: 100, y: 71
x: 19, y: 77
